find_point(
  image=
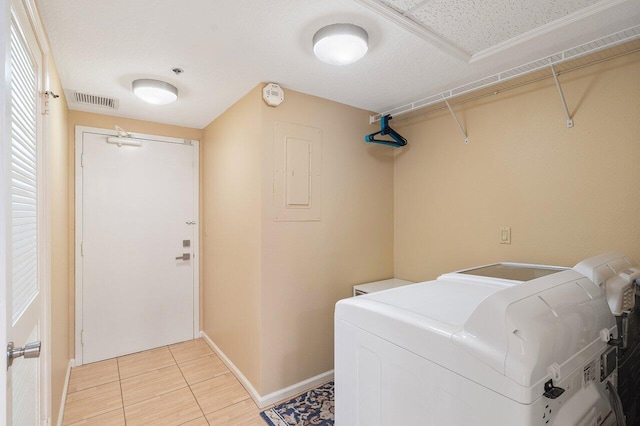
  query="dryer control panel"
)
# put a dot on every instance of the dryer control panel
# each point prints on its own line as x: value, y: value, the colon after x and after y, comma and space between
x: 616, y: 275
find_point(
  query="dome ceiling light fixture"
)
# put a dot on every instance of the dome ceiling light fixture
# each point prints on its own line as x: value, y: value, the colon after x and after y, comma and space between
x: 155, y: 92
x: 340, y: 44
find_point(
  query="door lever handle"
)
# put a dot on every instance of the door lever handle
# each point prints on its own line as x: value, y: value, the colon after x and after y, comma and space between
x: 185, y: 256
x: 30, y: 350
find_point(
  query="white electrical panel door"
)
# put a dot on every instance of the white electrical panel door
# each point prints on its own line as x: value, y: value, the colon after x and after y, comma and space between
x: 297, y: 190
x: 139, y: 205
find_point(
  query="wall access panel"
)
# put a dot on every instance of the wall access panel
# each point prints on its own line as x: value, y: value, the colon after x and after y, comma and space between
x: 296, y: 173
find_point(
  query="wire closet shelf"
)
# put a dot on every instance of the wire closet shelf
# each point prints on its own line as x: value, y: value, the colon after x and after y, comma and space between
x: 609, y: 47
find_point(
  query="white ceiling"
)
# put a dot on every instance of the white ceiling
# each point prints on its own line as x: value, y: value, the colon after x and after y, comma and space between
x: 227, y: 47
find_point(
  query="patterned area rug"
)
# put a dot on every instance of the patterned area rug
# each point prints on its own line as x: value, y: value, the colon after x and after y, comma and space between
x: 314, y: 408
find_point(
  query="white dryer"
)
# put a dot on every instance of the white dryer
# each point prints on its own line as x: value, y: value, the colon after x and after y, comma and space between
x: 503, y: 344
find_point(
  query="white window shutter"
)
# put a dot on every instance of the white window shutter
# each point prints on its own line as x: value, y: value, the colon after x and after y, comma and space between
x: 24, y: 190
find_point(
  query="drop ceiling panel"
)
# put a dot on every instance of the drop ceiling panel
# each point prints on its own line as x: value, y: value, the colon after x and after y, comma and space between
x: 475, y: 25
x: 476, y: 29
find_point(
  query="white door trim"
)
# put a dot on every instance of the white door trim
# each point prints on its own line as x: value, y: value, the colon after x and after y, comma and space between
x: 79, y: 130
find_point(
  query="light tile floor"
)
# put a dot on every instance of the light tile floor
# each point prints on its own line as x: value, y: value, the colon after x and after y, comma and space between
x: 182, y: 384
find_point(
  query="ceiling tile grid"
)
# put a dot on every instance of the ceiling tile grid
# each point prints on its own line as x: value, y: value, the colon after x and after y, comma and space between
x: 403, y: 6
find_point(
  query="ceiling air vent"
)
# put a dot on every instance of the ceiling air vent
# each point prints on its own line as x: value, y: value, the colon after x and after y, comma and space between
x: 95, y: 100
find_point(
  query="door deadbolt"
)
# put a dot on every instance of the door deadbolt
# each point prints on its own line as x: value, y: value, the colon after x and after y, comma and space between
x: 30, y: 350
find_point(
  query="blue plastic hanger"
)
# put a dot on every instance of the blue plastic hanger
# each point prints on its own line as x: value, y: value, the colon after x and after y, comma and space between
x: 397, y: 142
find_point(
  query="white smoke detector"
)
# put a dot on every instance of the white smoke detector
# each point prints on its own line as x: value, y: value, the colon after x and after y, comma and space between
x: 273, y: 94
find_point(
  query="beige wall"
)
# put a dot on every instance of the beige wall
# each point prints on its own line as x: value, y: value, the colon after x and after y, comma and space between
x: 78, y: 118
x: 232, y: 203
x: 58, y: 175
x: 270, y: 287
x: 308, y: 266
x: 566, y: 193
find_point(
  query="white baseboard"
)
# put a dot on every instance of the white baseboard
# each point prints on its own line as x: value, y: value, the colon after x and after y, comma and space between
x: 273, y: 397
x: 296, y: 389
x: 63, y: 401
x: 231, y: 366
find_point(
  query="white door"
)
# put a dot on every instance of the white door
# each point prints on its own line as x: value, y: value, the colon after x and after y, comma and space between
x: 22, y: 196
x: 138, y: 214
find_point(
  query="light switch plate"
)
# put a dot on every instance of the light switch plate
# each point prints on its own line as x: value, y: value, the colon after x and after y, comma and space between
x: 505, y: 235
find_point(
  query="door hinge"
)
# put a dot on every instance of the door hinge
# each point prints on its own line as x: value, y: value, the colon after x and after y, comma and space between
x: 45, y: 105
x: 82, y: 337
x: 81, y: 160
x: 45, y: 101
x: 81, y: 249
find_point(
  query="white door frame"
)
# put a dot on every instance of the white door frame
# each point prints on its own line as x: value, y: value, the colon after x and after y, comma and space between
x: 79, y: 130
x: 44, y: 224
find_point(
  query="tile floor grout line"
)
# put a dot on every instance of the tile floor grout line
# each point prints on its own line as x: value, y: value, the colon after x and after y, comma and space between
x: 93, y: 386
x: 89, y: 418
x: 85, y: 367
x: 176, y: 365
x: 89, y: 387
x: 235, y: 403
x: 124, y: 413
x: 202, y: 381
x: 147, y: 372
x: 93, y: 416
x: 148, y: 350
x: 189, y: 386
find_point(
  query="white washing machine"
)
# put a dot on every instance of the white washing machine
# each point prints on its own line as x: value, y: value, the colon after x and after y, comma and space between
x: 503, y: 344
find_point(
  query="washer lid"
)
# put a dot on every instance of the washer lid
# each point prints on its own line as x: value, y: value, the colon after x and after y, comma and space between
x: 441, y: 305
x: 512, y: 271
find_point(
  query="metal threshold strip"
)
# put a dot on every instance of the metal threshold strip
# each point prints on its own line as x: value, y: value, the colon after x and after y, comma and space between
x: 587, y: 53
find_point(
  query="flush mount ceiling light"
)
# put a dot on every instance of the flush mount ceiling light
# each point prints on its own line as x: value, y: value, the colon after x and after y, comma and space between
x: 340, y: 44
x: 155, y: 92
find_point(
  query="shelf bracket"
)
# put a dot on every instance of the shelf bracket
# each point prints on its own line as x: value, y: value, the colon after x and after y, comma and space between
x: 455, y: 117
x: 564, y: 102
